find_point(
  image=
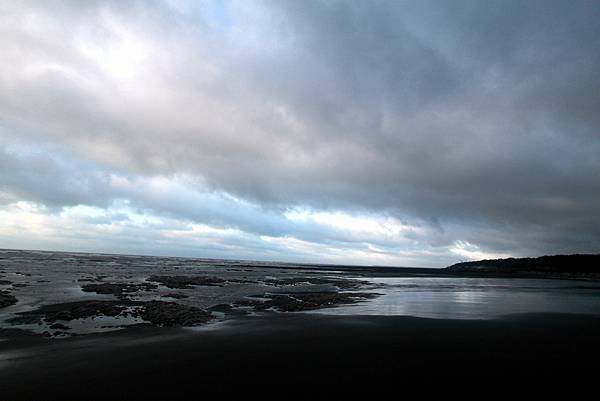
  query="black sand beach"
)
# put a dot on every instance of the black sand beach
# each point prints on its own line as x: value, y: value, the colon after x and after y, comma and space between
x: 299, y: 352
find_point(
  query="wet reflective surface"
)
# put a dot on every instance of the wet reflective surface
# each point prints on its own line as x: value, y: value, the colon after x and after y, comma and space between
x: 97, y: 292
x: 476, y: 298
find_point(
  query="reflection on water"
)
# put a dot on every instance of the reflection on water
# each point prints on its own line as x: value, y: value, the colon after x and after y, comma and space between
x: 476, y: 298
x: 47, y: 278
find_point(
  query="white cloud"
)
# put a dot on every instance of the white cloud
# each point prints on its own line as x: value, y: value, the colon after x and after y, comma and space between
x: 473, y: 252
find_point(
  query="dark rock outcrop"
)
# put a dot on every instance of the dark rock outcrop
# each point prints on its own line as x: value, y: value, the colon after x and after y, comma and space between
x: 186, y: 282
x: 7, y: 299
x: 175, y: 295
x: 10, y: 332
x: 173, y: 314
x: 304, y: 301
x: 73, y: 310
x: 345, y: 284
x: 156, y: 312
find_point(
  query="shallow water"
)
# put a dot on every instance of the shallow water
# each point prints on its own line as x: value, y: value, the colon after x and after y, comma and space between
x: 475, y: 298
x: 45, y: 278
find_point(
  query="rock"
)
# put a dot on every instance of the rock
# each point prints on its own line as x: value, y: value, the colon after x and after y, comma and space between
x: 175, y: 295
x: 10, y: 332
x: 173, y: 314
x: 75, y: 310
x: 156, y: 312
x: 6, y: 299
x: 303, y: 301
x: 345, y: 284
x: 186, y: 282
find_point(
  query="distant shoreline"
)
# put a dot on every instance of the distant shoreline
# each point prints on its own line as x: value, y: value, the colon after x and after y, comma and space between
x: 555, y: 266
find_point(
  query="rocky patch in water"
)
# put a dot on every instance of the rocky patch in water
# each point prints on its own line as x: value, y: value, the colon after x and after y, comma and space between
x: 175, y: 295
x: 7, y: 299
x: 186, y: 282
x: 304, y: 301
x: 118, y: 289
x: 156, y: 312
x: 10, y: 332
x: 173, y: 314
x: 342, y: 284
x: 74, y: 310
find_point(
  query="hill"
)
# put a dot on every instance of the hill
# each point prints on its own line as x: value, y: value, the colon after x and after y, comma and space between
x: 561, y: 265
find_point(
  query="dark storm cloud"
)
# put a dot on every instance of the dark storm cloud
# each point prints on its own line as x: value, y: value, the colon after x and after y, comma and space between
x: 491, y: 108
x: 477, y: 119
x: 469, y: 111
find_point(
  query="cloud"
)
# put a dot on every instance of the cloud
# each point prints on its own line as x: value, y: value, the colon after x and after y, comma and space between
x: 462, y: 123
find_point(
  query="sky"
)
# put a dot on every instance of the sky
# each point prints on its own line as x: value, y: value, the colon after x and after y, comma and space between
x: 402, y: 133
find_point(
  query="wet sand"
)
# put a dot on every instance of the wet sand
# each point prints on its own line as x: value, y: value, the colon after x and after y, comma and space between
x: 299, y: 353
